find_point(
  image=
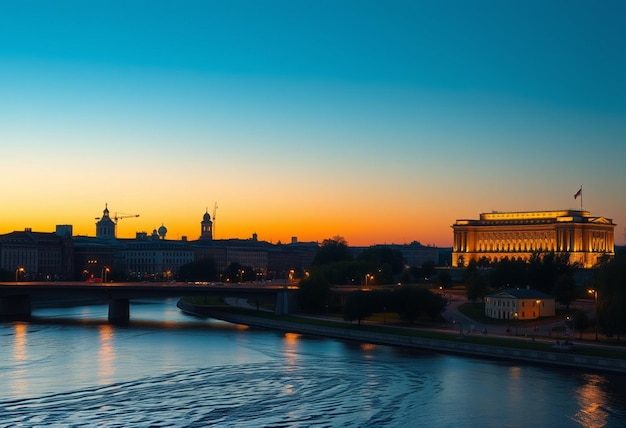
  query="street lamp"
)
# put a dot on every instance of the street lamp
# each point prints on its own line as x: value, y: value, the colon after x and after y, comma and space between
x: 105, y: 270
x: 595, y: 301
x: 17, y: 272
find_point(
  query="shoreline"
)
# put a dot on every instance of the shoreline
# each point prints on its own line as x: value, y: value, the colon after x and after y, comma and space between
x: 459, y: 346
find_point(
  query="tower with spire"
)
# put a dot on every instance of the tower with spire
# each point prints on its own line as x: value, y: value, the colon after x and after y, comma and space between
x: 206, y: 227
x: 105, y: 227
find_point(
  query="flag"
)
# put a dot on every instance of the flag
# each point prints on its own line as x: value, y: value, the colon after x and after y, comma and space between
x: 579, y: 193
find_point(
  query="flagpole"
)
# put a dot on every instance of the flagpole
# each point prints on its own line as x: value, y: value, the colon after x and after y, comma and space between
x: 581, y: 197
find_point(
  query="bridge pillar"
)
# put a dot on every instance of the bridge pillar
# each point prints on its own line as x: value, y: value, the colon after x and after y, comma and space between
x: 282, y: 305
x: 286, y: 302
x: 15, y: 308
x: 119, y: 311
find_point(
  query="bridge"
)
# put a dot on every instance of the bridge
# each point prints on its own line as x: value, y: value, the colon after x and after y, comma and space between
x: 16, y: 299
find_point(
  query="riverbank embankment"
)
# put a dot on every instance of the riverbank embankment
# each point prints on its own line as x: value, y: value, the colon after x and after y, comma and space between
x: 457, y: 345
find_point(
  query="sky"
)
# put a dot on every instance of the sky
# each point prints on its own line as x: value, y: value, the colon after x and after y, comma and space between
x: 377, y: 121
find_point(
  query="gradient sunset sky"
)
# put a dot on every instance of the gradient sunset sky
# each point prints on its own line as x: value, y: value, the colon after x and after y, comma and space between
x: 379, y: 121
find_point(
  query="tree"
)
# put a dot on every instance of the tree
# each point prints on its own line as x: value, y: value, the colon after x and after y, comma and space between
x: 428, y: 268
x: 407, y: 302
x: 445, y: 279
x: 435, y: 305
x: 413, y: 301
x: 509, y: 273
x: 236, y: 272
x: 199, y: 270
x: 378, y: 256
x: 358, y: 306
x: 564, y: 290
x: 581, y: 321
x: 472, y: 267
x: 483, y: 262
x: 313, y: 294
x: 545, y: 268
x: 383, y: 262
x: 344, y: 272
x: 476, y: 286
x: 405, y: 277
x: 332, y: 251
x: 422, y: 273
x: 610, y: 280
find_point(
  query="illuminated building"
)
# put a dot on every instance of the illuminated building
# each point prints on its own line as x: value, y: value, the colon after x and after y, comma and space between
x: 519, y: 304
x: 517, y: 235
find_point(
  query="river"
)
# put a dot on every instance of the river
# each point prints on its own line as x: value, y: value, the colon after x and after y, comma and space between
x: 69, y: 367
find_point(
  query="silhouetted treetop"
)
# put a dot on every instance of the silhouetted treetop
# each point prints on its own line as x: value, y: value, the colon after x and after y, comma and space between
x: 332, y: 251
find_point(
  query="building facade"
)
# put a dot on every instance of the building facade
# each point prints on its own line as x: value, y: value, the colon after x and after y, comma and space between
x: 517, y: 235
x: 519, y: 304
x: 38, y: 255
x: 149, y: 258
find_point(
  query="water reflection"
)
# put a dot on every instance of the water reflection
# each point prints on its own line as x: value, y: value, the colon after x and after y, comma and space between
x: 592, y: 401
x: 165, y: 369
x: 20, y: 356
x: 106, y: 354
x: 290, y: 351
x: 19, y: 342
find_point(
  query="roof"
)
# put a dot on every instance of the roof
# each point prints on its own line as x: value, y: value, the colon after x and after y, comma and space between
x: 520, y: 293
x: 523, y: 218
x: 28, y: 237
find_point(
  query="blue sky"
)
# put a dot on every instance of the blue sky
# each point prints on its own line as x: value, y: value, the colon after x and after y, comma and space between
x: 377, y: 121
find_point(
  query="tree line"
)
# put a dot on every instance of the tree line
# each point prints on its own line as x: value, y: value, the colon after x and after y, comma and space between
x: 334, y: 264
x: 610, y: 286
x: 546, y: 271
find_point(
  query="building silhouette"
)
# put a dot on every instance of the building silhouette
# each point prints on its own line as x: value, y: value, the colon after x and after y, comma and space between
x: 105, y: 227
x: 62, y: 256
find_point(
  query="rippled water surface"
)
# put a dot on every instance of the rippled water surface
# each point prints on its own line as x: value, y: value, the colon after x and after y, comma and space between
x: 70, y: 368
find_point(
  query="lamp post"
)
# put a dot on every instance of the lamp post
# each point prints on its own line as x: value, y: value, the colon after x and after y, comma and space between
x: 595, y: 302
x: 17, y: 273
x: 105, y: 270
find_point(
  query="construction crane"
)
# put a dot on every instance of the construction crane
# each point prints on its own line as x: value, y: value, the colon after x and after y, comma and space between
x: 122, y: 215
x: 119, y: 216
x: 214, y: 213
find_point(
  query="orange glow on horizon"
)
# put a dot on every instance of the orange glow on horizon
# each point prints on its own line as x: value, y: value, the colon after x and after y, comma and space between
x: 278, y: 223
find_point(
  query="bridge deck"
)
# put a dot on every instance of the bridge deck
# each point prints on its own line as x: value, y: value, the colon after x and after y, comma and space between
x: 15, y: 298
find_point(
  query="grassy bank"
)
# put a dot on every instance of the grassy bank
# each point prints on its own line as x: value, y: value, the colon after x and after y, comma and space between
x: 428, y: 333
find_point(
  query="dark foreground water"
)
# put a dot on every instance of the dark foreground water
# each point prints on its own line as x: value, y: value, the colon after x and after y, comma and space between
x: 70, y: 368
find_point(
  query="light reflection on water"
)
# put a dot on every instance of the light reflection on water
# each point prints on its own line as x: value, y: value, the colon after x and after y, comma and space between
x: 592, y: 399
x: 170, y: 369
x: 20, y: 357
x: 106, y: 354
